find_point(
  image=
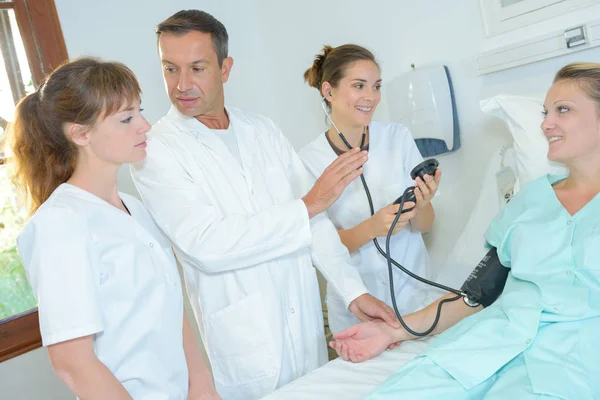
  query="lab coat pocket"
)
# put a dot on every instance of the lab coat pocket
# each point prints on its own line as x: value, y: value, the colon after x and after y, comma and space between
x: 240, y: 345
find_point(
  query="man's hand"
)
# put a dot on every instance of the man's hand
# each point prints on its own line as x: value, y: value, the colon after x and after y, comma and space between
x: 333, y: 181
x: 368, y: 308
x: 363, y: 341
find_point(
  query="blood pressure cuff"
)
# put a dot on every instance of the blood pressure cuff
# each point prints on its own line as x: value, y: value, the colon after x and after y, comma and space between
x: 486, y: 282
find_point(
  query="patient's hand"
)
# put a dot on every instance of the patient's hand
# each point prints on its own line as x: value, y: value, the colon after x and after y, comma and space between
x: 363, y: 341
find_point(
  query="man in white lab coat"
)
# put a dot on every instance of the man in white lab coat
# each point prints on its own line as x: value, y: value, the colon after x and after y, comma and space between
x: 245, y: 219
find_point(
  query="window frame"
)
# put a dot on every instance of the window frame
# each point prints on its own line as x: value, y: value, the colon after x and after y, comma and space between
x: 40, y: 30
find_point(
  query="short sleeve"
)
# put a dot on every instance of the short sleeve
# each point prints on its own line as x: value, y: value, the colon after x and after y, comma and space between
x: 497, y: 235
x: 56, y: 253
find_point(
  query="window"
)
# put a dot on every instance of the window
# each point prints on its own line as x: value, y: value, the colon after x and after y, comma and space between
x: 504, y: 15
x: 31, y: 45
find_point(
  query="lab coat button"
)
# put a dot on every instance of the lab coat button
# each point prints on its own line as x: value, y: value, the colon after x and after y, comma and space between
x: 528, y: 341
x: 293, y: 311
x: 568, y: 272
x: 252, y: 191
x: 569, y: 222
x: 384, y: 283
x: 151, y: 245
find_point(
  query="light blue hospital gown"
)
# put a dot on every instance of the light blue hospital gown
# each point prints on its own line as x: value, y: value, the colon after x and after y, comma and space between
x: 541, y: 338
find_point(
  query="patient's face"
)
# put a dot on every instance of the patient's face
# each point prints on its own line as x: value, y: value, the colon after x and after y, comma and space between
x: 572, y: 124
x: 357, y: 95
x: 192, y: 74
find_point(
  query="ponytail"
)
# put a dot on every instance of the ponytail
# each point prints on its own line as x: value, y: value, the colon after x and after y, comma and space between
x: 314, y: 75
x: 40, y: 160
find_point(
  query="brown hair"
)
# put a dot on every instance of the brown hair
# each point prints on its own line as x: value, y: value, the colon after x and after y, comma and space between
x: 587, y: 75
x: 186, y: 21
x: 330, y: 65
x: 81, y: 91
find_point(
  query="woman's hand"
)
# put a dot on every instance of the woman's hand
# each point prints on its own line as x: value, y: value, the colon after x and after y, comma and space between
x: 425, y: 190
x: 379, y: 224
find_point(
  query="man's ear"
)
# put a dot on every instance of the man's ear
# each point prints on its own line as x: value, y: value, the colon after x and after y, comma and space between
x: 226, y: 68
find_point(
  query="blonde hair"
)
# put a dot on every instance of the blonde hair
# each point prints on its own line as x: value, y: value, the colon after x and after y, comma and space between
x: 82, y: 91
x: 586, y: 75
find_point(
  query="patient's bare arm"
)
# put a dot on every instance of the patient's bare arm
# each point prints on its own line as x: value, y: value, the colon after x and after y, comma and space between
x: 420, y: 321
x: 367, y: 340
x: 483, y: 286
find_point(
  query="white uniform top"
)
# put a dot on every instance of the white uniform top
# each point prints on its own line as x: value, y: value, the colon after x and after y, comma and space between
x: 247, y: 247
x: 392, y: 155
x: 97, y: 271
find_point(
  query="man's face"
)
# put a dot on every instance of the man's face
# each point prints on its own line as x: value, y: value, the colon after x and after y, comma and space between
x: 192, y: 74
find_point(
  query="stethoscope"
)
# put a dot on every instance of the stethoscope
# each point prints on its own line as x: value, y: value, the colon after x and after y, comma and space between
x: 427, y: 167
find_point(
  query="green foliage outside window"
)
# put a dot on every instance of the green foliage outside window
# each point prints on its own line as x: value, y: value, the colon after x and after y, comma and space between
x: 16, y: 295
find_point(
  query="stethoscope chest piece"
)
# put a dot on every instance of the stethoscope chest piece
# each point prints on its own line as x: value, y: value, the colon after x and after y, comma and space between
x: 427, y: 167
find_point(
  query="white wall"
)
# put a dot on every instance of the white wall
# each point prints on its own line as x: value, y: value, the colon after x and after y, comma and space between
x: 30, y: 377
x: 399, y: 33
x: 273, y: 42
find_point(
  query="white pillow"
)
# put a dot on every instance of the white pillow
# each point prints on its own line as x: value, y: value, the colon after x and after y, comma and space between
x: 523, y: 117
x: 471, y: 246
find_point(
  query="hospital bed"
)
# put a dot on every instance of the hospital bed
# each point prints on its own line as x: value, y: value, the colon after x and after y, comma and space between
x: 339, y: 379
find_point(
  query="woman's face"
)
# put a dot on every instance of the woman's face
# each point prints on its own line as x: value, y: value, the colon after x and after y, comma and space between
x: 571, y: 123
x: 119, y: 138
x: 358, y: 93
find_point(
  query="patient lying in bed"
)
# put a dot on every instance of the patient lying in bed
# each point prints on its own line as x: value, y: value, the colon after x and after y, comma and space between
x: 540, y: 338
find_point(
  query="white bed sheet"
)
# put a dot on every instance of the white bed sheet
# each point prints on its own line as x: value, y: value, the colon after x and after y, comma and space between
x: 339, y: 379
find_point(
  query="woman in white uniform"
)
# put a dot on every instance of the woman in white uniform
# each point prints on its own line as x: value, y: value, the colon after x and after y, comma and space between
x: 349, y: 80
x: 110, y: 301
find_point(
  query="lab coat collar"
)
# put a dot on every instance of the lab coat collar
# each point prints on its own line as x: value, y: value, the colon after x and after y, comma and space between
x: 243, y: 130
